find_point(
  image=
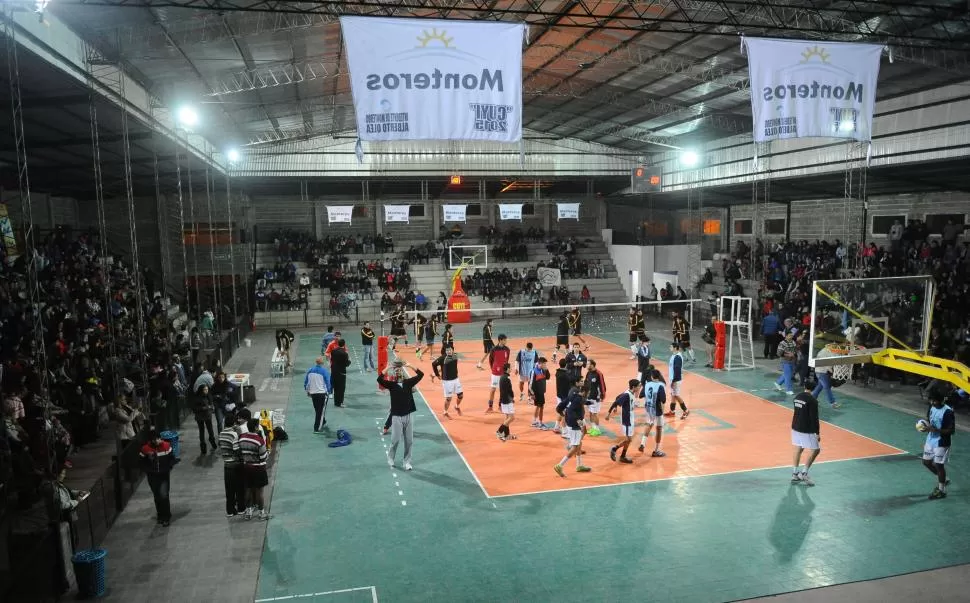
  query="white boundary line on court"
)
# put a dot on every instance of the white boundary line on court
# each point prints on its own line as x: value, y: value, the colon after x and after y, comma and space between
x: 776, y: 404
x: 372, y: 589
x: 689, y: 477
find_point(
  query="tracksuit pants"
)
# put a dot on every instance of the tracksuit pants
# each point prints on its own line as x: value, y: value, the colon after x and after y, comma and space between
x: 235, y: 488
x: 339, y: 387
x: 401, y: 429
x: 787, y: 373
x: 369, y: 358
x: 824, y: 384
x: 320, y: 410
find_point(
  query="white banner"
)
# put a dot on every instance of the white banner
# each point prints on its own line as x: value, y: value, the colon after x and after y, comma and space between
x: 805, y: 89
x: 339, y: 213
x: 454, y: 213
x: 425, y: 79
x: 510, y: 211
x: 568, y: 211
x: 397, y: 213
x: 549, y: 277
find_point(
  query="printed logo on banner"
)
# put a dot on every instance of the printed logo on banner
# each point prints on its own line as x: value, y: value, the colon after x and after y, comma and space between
x: 433, y: 79
x: 549, y: 277
x: 801, y: 90
x: 340, y: 213
x: 510, y: 211
x: 454, y: 213
x: 397, y: 213
x: 568, y: 211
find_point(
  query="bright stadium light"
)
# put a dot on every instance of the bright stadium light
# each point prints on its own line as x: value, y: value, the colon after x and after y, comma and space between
x: 232, y: 155
x: 188, y: 117
x: 689, y: 158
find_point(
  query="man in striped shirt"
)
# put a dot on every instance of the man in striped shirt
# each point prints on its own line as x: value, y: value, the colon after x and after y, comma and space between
x: 254, y: 455
x: 787, y: 351
x: 232, y: 464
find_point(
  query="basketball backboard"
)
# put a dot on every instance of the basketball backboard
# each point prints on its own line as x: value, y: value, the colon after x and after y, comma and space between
x: 469, y: 256
x: 852, y: 319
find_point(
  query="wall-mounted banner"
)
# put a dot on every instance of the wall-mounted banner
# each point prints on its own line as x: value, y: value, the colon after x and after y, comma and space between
x: 510, y: 211
x: 397, y: 213
x: 803, y: 89
x: 568, y: 211
x: 426, y: 79
x: 339, y: 213
x: 549, y: 277
x: 454, y: 213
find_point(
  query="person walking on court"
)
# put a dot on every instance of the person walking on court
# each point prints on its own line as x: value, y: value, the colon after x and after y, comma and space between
x: 786, y: 351
x: 445, y: 367
x: 506, y: 404
x: 157, y: 462
x: 627, y: 420
x: 655, y: 398
x: 339, y: 361
x: 401, y: 389
x: 572, y: 411
x: 318, y: 386
x: 825, y: 384
x: 675, y: 375
x: 367, y: 342
x: 805, y: 435
x: 936, y: 450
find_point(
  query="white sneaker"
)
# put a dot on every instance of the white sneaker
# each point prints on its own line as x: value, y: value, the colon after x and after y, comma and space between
x: 249, y: 512
x: 408, y: 467
x: 803, y: 477
x: 390, y: 461
x: 790, y: 393
x: 264, y: 516
x: 778, y: 387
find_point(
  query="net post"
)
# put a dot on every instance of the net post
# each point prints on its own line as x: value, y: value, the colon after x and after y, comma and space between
x: 811, y: 327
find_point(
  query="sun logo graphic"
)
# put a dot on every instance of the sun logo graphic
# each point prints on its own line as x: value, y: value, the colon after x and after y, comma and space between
x: 434, y: 36
x: 815, y: 51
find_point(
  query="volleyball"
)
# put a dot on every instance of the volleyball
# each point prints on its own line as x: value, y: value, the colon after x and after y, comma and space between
x: 922, y: 425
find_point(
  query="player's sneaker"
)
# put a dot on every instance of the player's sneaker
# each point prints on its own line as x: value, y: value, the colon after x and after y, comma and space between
x: 835, y: 405
x: 583, y: 469
x: 418, y: 354
x: 659, y: 453
x: 558, y: 469
x: 796, y: 478
x: 479, y: 366
x: 779, y: 387
x: 670, y: 414
x: 937, y: 494
x: 385, y: 431
x: 446, y: 415
x: 390, y: 461
x: 521, y: 397
x: 408, y: 467
x: 626, y: 460
x: 640, y: 447
x: 686, y: 412
x: 803, y: 477
x: 613, y: 454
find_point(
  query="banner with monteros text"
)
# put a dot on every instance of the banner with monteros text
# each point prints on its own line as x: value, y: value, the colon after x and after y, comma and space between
x: 339, y: 214
x: 397, y: 213
x: 455, y: 213
x: 567, y: 211
x: 427, y: 79
x: 803, y: 89
x: 510, y: 211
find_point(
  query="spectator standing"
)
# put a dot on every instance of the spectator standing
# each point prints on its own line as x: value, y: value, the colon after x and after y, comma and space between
x: 254, y: 454
x: 124, y: 417
x: 339, y: 361
x: 402, y: 407
x: 232, y: 464
x: 367, y: 341
x: 787, y: 350
x: 327, y: 338
x: 770, y: 330
x: 202, y: 409
x: 157, y: 462
x: 318, y: 386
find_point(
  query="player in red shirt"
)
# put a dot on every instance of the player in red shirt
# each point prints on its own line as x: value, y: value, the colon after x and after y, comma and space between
x: 332, y: 345
x: 497, y: 359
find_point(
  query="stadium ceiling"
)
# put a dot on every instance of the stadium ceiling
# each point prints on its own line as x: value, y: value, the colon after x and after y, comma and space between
x: 632, y: 74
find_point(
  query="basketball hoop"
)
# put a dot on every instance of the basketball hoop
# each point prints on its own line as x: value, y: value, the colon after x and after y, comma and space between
x: 842, y: 372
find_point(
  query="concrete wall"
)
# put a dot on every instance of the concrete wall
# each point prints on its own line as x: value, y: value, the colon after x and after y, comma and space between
x: 48, y: 211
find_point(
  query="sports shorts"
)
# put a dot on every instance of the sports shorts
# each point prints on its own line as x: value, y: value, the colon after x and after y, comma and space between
x: 594, y: 406
x: 507, y: 409
x: 573, y: 436
x: 495, y: 380
x: 938, y: 454
x: 489, y: 346
x: 809, y: 441
x: 675, y: 388
x: 451, y: 387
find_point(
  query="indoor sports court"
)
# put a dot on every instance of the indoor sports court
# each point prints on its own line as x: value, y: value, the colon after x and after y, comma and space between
x: 717, y: 518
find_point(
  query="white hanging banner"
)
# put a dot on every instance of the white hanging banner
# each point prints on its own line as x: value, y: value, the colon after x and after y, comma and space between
x: 454, y: 213
x: 426, y: 79
x: 549, y: 277
x: 339, y: 213
x: 568, y: 211
x: 397, y: 213
x: 510, y: 211
x: 803, y: 89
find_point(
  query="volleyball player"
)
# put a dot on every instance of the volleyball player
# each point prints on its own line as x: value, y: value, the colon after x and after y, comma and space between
x: 681, y: 333
x: 430, y: 332
x: 445, y: 367
x: 576, y: 361
x: 525, y: 366
x: 537, y: 387
x: 506, y: 401
x: 562, y: 335
x: 675, y: 375
x: 498, y: 357
x: 625, y: 402
x: 805, y: 434
x: 487, y: 343
x: 398, y: 327
x: 447, y: 338
x: 596, y: 385
x: 643, y: 360
x: 572, y: 411
x: 939, y: 438
x: 418, y: 321
x: 564, y: 382
x: 655, y: 398
x: 631, y: 325
x: 575, y: 319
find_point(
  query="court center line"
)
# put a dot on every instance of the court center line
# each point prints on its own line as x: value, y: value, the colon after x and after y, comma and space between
x: 689, y: 477
x: 776, y: 404
x: 372, y: 589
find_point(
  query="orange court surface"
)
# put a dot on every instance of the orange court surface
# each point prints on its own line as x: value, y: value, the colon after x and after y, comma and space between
x: 728, y: 430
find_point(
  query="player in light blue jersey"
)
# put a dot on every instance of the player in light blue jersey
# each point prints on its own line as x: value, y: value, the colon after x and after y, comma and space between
x: 936, y: 451
x: 655, y: 398
x: 525, y: 368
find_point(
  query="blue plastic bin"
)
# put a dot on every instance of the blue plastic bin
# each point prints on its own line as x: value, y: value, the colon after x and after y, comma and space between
x: 89, y: 571
x: 172, y: 437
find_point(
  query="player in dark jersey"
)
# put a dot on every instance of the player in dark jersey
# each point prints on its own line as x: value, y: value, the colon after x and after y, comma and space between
x: 447, y: 338
x: 506, y: 402
x: 805, y: 434
x: 681, y: 333
x: 537, y: 387
x: 562, y: 335
x: 572, y: 410
x: 445, y: 367
x: 486, y: 342
x: 575, y: 319
x: 430, y: 332
x: 398, y: 327
x: 418, y: 321
x: 637, y: 328
x: 564, y: 382
x: 643, y: 357
x: 624, y: 402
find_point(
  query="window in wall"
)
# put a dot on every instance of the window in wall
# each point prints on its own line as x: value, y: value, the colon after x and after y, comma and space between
x: 775, y: 226
x: 474, y: 209
x: 937, y: 222
x: 416, y: 211
x: 528, y: 209
x: 655, y: 229
x: 880, y: 225
x: 712, y: 227
x: 743, y: 227
x: 360, y: 211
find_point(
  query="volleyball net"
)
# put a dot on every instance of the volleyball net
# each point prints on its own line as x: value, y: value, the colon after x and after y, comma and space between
x: 608, y: 320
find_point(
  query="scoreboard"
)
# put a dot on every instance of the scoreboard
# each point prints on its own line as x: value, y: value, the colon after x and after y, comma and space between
x: 646, y: 180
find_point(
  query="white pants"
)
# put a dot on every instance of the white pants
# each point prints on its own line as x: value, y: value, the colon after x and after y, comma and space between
x: 401, y: 427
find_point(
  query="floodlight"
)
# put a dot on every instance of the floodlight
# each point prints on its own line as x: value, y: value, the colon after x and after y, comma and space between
x: 689, y: 158
x: 187, y: 116
x: 232, y: 155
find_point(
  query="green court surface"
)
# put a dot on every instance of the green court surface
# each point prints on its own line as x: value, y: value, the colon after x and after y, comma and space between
x: 347, y: 527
